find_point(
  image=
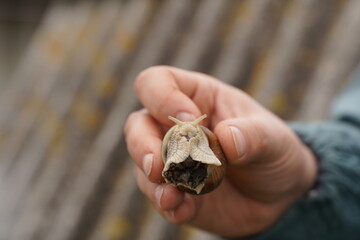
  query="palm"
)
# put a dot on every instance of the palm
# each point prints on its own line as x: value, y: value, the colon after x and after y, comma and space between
x: 227, y: 212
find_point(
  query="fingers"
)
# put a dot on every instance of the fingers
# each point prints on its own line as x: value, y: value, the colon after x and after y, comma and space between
x: 143, y: 138
x: 173, y: 204
x: 164, y: 196
x: 167, y: 91
x: 244, y: 139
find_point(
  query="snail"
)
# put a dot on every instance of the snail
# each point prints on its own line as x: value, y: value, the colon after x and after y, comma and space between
x: 192, y: 155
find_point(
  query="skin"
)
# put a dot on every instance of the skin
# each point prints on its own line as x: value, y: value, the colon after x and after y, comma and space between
x: 268, y: 167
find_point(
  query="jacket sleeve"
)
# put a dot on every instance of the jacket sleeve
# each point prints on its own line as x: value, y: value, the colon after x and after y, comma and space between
x: 331, y: 210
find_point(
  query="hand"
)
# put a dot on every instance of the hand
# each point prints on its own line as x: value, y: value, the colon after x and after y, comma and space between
x: 268, y: 167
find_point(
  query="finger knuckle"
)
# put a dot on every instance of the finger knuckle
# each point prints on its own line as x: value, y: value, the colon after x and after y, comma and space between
x: 130, y: 119
x: 149, y: 73
x: 167, y: 98
x: 261, y: 143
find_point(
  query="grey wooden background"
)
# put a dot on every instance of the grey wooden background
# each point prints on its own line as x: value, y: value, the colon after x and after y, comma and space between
x: 64, y: 170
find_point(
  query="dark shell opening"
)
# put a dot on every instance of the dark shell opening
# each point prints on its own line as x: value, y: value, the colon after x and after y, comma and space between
x: 189, y: 172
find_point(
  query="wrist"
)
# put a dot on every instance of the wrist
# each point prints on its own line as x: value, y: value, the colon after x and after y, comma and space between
x: 310, y: 171
x: 307, y: 171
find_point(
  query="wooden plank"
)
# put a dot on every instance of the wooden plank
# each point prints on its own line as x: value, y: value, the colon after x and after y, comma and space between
x: 31, y: 158
x: 203, y: 29
x: 9, y: 202
x: 197, y: 234
x: 60, y: 164
x: 20, y: 86
x: 156, y: 227
x: 57, y: 53
x: 285, y: 49
x: 244, y: 37
x: 340, y: 56
x: 123, y: 212
x: 73, y: 205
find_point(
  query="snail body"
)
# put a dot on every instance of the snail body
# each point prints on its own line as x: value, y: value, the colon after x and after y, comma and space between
x: 194, y: 161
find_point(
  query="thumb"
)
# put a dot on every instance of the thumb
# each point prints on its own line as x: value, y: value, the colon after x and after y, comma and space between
x: 244, y: 139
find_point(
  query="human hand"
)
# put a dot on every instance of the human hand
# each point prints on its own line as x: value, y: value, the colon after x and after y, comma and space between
x: 268, y: 167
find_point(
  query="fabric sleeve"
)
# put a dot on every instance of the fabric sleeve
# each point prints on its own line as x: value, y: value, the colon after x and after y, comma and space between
x: 331, y: 210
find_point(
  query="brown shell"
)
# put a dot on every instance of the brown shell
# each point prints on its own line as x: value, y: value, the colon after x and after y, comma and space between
x: 215, y: 173
x: 218, y: 173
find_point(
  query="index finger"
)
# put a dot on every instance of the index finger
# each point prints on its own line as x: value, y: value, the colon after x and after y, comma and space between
x: 168, y: 91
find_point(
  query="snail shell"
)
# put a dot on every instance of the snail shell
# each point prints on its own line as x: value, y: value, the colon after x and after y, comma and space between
x: 194, y: 161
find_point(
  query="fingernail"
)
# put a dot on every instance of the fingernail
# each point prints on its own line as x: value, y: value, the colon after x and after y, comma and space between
x: 147, y: 163
x: 239, y: 141
x: 158, y: 194
x: 185, y: 117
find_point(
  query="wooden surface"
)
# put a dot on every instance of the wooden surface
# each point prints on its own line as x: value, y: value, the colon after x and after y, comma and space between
x: 65, y: 173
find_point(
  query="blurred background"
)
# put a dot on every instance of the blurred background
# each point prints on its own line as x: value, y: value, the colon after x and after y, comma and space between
x: 66, y: 75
